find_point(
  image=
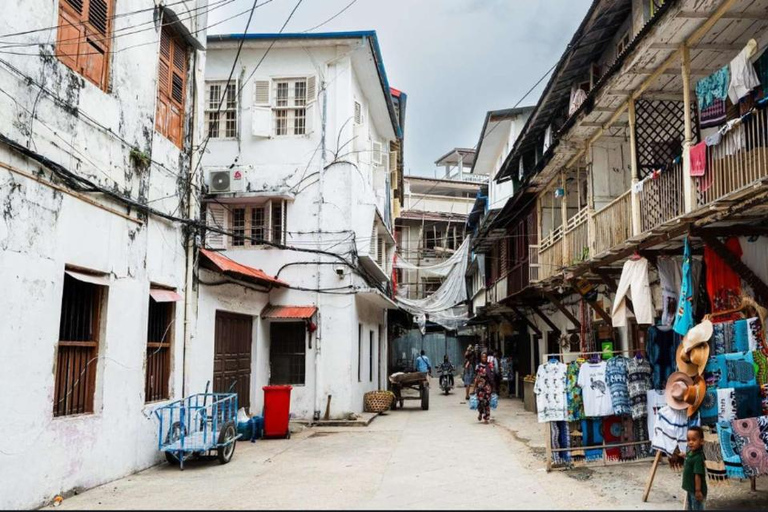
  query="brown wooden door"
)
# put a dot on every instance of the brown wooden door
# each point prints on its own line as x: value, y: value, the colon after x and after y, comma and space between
x: 232, y: 356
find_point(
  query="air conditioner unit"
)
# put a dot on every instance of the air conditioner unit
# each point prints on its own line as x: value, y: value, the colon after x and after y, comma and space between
x: 226, y: 181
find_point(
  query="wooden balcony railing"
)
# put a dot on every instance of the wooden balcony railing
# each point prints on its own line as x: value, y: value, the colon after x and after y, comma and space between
x: 551, y: 254
x: 740, y: 160
x: 613, y: 223
x: 661, y: 198
x: 577, y: 238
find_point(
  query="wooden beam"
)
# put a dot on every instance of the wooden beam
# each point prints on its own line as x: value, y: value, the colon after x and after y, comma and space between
x: 530, y: 324
x: 559, y: 305
x: 707, y: 47
x: 546, y: 319
x: 693, y: 15
x: 610, y: 283
x: 730, y: 259
x: 594, y: 305
x: 741, y: 230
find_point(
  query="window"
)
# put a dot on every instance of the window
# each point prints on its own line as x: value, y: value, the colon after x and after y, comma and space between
x: 358, y: 113
x: 623, y: 43
x: 221, y: 122
x: 370, y: 357
x: 359, y: 352
x: 171, y: 86
x: 430, y: 284
x: 287, y: 353
x: 83, y: 37
x: 290, y: 106
x: 250, y: 225
x: 159, y: 336
x: 381, y: 251
x: 433, y: 238
x: 78, y: 347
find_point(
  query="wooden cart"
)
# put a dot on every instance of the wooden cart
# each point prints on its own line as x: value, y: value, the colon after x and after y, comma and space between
x: 417, y: 381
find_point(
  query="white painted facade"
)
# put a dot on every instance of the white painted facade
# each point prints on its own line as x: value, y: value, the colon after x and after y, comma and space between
x: 45, y: 227
x: 335, y: 201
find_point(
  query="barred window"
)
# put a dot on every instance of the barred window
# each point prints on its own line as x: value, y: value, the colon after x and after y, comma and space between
x: 252, y: 225
x: 287, y: 353
x: 290, y: 106
x: 159, y: 336
x: 238, y: 226
x: 221, y: 123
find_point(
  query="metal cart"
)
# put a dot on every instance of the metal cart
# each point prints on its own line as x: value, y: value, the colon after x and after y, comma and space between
x: 417, y: 381
x: 200, y: 424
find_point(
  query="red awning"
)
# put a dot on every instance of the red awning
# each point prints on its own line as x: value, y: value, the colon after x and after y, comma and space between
x: 226, y: 266
x: 162, y: 295
x: 289, y: 312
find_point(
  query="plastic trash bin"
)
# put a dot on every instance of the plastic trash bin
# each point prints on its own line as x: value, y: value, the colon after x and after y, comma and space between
x: 277, y: 411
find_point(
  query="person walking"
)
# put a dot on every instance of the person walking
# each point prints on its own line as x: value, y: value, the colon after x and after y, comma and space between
x: 423, y: 364
x: 469, y: 369
x: 483, y: 388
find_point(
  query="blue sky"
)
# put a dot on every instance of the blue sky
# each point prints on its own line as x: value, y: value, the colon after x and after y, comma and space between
x: 456, y: 59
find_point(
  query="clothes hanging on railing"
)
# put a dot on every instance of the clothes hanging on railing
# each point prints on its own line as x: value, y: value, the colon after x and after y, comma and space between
x: 661, y: 345
x: 573, y: 392
x: 597, y: 397
x: 684, y: 316
x: 633, y: 281
x: 551, y: 401
x: 743, y: 76
x: 750, y: 440
x: 638, y: 383
x: 723, y: 283
x: 616, y: 370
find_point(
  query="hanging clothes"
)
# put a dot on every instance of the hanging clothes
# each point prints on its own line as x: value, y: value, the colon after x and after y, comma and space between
x: 612, y: 427
x: 616, y: 371
x: 560, y: 438
x: 761, y: 68
x: 660, y: 346
x: 713, y: 88
x: 550, y: 392
x: 731, y: 370
x: 723, y: 284
x: 750, y: 440
x: 684, y: 317
x: 731, y: 458
x: 573, y: 392
x: 578, y: 95
x: 670, y: 278
x: 698, y: 158
x: 656, y: 401
x: 671, y: 430
x: 634, y: 279
x: 709, y: 407
x: 714, y: 115
x: 753, y: 255
x: 591, y: 432
x: 639, y: 374
x: 597, y: 397
x: 743, y: 76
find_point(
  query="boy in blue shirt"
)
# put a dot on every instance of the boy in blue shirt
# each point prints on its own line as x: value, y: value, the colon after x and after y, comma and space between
x: 423, y: 364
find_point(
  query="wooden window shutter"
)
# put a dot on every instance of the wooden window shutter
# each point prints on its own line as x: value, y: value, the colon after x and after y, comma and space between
x: 171, y: 87
x: 311, y: 88
x: 216, y: 217
x: 261, y: 93
x: 84, y: 37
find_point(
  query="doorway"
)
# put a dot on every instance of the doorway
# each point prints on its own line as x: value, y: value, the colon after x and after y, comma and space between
x: 232, y: 356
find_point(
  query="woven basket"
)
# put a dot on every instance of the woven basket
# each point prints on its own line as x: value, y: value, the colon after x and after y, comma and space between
x: 378, y: 401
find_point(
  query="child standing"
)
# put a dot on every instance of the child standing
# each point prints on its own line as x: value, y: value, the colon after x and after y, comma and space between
x: 694, y: 472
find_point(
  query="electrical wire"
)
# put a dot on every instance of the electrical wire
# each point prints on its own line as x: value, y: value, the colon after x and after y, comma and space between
x: 350, y: 4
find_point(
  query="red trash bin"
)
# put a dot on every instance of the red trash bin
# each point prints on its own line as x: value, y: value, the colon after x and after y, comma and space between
x: 277, y: 411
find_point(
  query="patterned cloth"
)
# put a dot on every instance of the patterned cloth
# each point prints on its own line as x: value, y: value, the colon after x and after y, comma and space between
x: 671, y: 431
x: 684, y: 317
x: 761, y: 367
x: 640, y: 431
x: 714, y: 115
x: 573, y: 392
x: 731, y: 458
x: 723, y: 284
x: 591, y: 432
x: 660, y: 345
x: 741, y: 341
x: 561, y: 438
x: 616, y: 378
x: 612, y: 429
x: 550, y: 392
x: 730, y: 370
x: 722, y: 340
x: 756, y: 335
x: 639, y: 382
x: 712, y: 88
x: 750, y: 440
x: 764, y: 398
x: 708, y: 409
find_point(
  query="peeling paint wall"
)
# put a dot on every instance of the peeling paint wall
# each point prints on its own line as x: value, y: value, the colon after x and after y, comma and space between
x: 55, y: 112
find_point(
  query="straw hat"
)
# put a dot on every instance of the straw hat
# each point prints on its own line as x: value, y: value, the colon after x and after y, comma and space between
x: 694, y: 362
x: 683, y: 392
x: 697, y: 335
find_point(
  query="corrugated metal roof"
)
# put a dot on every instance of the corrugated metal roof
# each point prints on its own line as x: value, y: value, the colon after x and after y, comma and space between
x: 289, y: 312
x: 221, y: 263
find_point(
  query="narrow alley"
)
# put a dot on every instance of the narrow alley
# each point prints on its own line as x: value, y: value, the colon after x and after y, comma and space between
x: 406, y: 459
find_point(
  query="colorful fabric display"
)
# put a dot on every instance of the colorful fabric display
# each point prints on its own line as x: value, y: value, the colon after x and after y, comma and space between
x: 741, y: 336
x: 612, y: 427
x: 709, y: 407
x: 721, y: 341
x: 616, y: 379
x: 723, y: 284
x: 731, y: 458
x: 730, y: 370
x: 656, y: 400
x: 661, y: 345
x: 684, y: 317
x: 591, y: 432
x: 764, y: 398
x: 638, y: 382
x: 756, y: 335
x: 761, y: 367
x: 698, y: 157
x: 712, y: 88
x: 749, y: 440
x: 714, y: 115
x: 713, y: 458
x: 561, y: 438
x: 573, y: 392
x: 748, y: 402
x: 550, y: 392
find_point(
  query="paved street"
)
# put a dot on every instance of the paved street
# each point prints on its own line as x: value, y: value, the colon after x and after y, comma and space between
x: 441, y: 458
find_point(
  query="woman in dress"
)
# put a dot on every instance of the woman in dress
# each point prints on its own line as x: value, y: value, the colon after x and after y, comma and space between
x: 469, y: 369
x: 483, y: 388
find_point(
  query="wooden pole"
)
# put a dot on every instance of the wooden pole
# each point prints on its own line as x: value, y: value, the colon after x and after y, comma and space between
x: 636, y: 224
x: 685, y: 57
x: 649, y: 484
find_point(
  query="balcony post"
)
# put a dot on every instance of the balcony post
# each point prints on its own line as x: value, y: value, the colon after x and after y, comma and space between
x: 564, y: 212
x: 591, y: 223
x: 635, y: 204
x: 685, y: 58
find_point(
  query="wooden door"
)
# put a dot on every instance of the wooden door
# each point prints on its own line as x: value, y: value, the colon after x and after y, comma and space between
x: 232, y: 356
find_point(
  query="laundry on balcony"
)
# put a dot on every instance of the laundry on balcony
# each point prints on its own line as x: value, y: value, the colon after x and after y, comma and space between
x: 743, y: 75
x: 634, y: 280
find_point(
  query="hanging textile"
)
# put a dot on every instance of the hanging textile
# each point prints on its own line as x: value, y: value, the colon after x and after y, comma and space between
x: 591, y: 432
x: 560, y: 438
x: 698, y: 157
x: 714, y: 115
x: 750, y: 440
x: 656, y: 401
x: 639, y: 374
x: 671, y: 431
x: 753, y: 255
x: 550, y: 392
x: 670, y: 278
x: 573, y: 392
x: 761, y: 68
x: 612, y: 427
x: 441, y: 269
x: 731, y: 458
x: 661, y: 346
x: 684, y: 317
x: 730, y: 370
x: 633, y: 281
x: 723, y: 284
x: 743, y: 76
x: 616, y: 378
x: 713, y: 88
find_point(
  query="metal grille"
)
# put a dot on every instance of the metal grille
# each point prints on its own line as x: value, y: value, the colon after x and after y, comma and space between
x: 287, y: 353
x: 660, y: 132
x: 78, y: 348
x: 159, y: 335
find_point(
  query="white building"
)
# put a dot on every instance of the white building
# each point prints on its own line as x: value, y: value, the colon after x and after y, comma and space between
x: 298, y: 177
x: 97, y: 122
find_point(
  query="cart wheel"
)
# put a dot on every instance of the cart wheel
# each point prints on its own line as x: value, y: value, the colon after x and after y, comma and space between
x: 425, y: 398
x: 171, y: 458
x: 227, y: 442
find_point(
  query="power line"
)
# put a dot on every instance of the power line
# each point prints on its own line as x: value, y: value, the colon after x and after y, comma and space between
x: 350, y: 4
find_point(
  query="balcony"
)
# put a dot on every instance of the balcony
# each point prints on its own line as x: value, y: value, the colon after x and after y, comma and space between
x: 551, y: 254
x: 613, y: 223
x: 577, y: 238
x: 737, y: 163
x: 661, y: 198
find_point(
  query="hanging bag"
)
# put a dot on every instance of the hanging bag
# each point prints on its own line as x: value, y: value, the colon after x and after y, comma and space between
x: 473, y: 402
x: 494, y: 400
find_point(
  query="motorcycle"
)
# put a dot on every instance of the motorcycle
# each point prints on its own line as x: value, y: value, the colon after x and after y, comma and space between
x: 445, y: 378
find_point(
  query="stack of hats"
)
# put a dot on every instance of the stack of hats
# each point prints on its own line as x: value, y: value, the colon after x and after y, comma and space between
x: 686, y: 387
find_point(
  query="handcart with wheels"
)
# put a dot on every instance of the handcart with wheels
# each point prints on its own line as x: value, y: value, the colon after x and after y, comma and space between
x: 417, y: 381
x: 198, y: 425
